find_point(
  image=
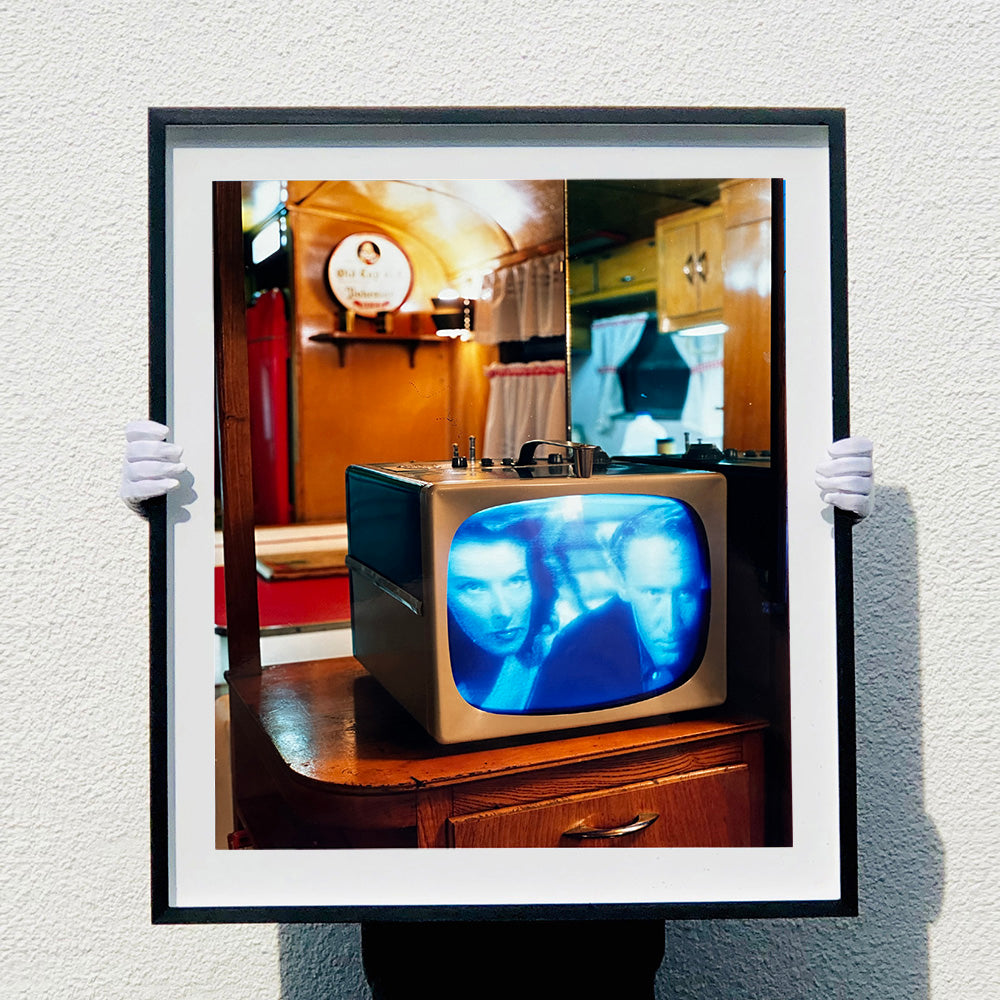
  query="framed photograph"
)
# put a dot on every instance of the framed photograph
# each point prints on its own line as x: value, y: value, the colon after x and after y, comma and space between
x: 500, y: 587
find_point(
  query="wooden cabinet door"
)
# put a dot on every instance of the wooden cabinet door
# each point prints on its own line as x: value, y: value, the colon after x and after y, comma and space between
x: 690, y: 255
x: 677, y: 251
x: 708, y: 264
x: 708, y: 808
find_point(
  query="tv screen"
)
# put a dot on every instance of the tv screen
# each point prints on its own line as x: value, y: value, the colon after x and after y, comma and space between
x: 574, y: 603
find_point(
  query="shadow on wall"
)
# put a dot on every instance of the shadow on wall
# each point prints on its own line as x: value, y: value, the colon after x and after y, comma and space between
x: 883, y: 952
x: 321, y: 962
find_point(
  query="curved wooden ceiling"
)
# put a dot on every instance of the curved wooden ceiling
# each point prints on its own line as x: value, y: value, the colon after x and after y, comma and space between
x: 463, y: 225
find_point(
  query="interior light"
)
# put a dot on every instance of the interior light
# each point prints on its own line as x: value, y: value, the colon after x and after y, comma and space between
x: 266, y: 242
x: 265, y: 197
x: 701, y: 330
x: 454, y: 315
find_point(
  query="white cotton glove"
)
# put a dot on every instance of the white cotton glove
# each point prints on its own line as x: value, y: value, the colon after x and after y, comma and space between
x: 846, y: 479
x: 151, y: 463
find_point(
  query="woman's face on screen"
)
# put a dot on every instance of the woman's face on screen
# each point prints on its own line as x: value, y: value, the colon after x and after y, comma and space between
x: 490, y: 594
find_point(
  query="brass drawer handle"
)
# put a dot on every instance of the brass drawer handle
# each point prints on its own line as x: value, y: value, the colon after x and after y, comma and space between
x: 583, y: 832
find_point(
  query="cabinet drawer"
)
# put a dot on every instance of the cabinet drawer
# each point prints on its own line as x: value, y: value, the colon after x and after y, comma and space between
x: 701, y: 809
x: 628, y: 269
x: 615, y: 274
x: 582, y: 277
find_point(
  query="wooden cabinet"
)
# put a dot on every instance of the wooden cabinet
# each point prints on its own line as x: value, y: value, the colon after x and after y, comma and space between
x: 323, y: 757
x: 613, y: 274
x: 689, y: 249
x: 709, y: 808
x: 582, y: 278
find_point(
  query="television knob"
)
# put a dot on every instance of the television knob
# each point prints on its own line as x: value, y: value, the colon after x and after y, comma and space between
x: 486, y: 463
x: 506, y: 461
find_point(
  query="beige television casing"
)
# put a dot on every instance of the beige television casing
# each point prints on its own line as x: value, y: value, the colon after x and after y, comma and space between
x: 401, y: 522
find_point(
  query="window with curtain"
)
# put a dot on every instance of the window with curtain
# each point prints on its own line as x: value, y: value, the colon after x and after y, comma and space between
x: 597, y: 389
x: 527, y: 400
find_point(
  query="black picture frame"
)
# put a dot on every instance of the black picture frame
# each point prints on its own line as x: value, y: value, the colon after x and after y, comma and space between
x: 174, y: 129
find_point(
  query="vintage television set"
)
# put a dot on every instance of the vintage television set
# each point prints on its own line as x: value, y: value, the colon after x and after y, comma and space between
x: 495, y: 599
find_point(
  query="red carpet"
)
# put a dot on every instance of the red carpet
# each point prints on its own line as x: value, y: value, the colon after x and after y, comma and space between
x: 293, y: 602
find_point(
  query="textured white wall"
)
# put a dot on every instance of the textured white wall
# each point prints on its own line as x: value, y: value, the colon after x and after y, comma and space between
x: 918, y: 80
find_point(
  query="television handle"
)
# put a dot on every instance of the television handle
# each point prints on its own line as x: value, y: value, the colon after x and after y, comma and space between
x: 583, y: 455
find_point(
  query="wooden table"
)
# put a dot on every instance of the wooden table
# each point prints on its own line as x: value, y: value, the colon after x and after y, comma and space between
x: 323, y: 757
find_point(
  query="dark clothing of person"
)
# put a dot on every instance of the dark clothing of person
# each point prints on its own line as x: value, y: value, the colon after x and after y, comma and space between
x: 526, y: 960
x: 595, y: 661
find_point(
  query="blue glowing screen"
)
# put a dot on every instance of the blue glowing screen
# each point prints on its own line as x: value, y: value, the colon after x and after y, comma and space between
x: 575, y: 603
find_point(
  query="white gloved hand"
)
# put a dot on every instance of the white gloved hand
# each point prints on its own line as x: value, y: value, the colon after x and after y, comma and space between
x: 846, y: 479
x: 151, y: 464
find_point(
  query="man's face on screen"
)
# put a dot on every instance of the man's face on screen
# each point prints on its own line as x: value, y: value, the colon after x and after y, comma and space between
x: 662, y: 583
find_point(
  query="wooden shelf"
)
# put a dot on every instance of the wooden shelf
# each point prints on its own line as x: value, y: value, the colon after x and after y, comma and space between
x: 341, y: 340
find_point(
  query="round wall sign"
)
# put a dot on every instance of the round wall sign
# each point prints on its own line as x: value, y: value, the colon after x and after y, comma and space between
x: 369, y: 274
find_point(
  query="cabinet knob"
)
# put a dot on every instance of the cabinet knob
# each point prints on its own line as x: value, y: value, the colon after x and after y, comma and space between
x: 581, y: 831
x: 688, y: 269
x: 701, y: 266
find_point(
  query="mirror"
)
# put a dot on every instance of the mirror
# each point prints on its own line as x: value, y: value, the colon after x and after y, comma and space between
x: 670, y: 314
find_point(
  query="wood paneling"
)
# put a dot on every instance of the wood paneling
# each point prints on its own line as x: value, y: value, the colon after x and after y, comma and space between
x: 233, y: 402
x: 313, y: 238
x: 746, y: 201
x: 470, y: 392
x: 747, y: 313
x: 376, y: 406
